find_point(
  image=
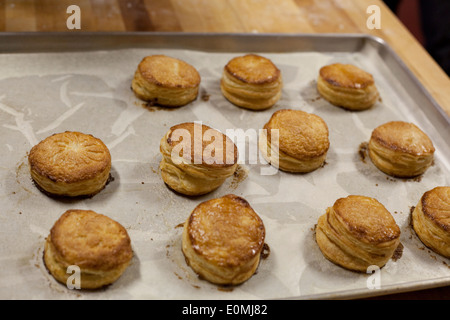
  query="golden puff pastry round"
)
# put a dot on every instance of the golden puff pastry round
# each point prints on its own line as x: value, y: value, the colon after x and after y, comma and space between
x: 298, y: 143
x: 401, y: 149
x: 99, y: 246
x: 223, y: 239
x: 357, y: 232
x: 70, y: 164
x: 347, y: 86
x: 431, y: 220
x: 197, y: 159
x: 252, y: 82
x: 166, y: 81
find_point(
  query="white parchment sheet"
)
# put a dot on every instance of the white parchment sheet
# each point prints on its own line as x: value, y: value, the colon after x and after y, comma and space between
x: 46, y: 93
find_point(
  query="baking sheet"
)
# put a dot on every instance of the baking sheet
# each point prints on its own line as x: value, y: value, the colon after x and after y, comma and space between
x: 42, y: 93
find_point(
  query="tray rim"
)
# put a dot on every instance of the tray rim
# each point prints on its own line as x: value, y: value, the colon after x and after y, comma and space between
x: 378, y: 42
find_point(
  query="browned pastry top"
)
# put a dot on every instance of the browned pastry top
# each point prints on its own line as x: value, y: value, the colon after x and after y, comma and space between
x: 436, y: 206
x: 90, y: 240
x: 252, y: 68
x: 302, y: 135
x: 346, y: 75
x: 69, y: 157
x: 226, y: 231
x: 168, y: 72
x: 366, y: 219
x: 403, y: 137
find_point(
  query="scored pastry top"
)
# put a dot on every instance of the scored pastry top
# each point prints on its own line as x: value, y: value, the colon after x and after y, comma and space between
x: 70, y: 157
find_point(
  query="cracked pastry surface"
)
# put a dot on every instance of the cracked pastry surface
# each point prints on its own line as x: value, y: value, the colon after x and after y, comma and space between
x: 166, y: 81
x: 347, y: 86
x: 357, y: 232
x: 70, y: 164
x: 431, y: 220
x: 252, y: 82
x: 222, y: 240
x: 98, y: 245
x: 401, y: 149
x: 197, y: 159
x: 302, y: 144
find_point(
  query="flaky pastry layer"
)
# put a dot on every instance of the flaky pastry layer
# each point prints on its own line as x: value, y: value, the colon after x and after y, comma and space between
x: 251, y: 82
x: 397, y: 163
x: 89, y: 278
x: 347, y: 86
x: 401, y: 149
x: 166, y: 81
x: 302, y: 142
x: 431, y: 220
x: 356, y: 242
x: 250, y: 96
x: 98, y: 245
x: 189, y: 178
x: 285, y: 162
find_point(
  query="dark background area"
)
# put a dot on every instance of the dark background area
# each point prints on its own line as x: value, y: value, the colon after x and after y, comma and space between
x: 429, y: 22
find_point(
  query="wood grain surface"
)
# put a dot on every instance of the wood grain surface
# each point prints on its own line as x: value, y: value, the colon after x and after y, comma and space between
x: 238, y: 16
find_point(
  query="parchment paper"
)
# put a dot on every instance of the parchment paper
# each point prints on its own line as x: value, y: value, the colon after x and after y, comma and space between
x: 45, y: 93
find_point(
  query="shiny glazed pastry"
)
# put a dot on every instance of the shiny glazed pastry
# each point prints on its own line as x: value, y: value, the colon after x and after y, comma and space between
x: 431, y: 220
x: 302, y: 141
x: 166, y: 81
x: 347, y: 86
x: 223, y: 239
x: 357, y: 232
x: 70, y: 164
x: 98, y: 245
x: 251, y: 82
x: 197, y: 159
x: 401, y: 149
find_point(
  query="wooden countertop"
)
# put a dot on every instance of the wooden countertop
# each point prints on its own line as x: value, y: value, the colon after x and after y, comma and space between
x: 256, y: 16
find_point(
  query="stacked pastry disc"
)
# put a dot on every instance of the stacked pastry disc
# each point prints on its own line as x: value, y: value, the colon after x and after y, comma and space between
x: 347, y: 86
x: 431, y: 220
x: 223, y: 239
x: 166, y: 81
x: 99, y: 246
x: 401, y: 149
x: 197, y: 159
x: 357, y: 232
x: 301, y: 144
x: 251, y: 82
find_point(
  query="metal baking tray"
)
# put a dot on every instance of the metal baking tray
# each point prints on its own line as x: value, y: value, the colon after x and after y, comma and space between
x: 51, y: 82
